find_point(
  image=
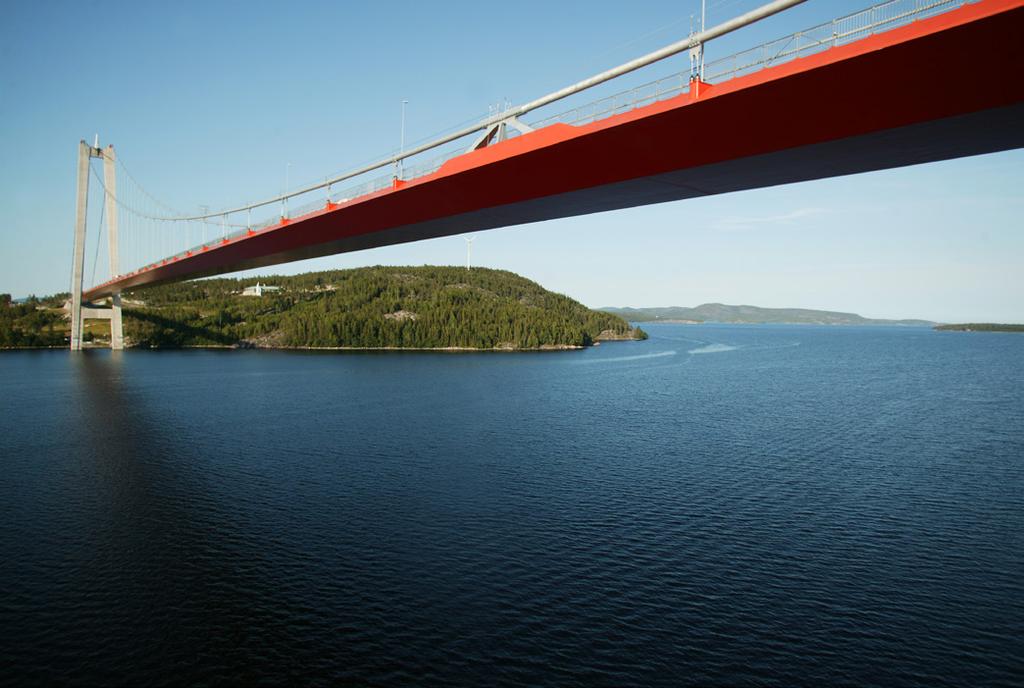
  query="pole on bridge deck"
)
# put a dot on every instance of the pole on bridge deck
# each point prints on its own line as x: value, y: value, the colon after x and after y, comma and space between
x: 400, y: 162
x: 110, y: 182
x: 78, y: 259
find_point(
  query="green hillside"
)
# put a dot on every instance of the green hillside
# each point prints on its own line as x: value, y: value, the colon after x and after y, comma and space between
x: 33, y: 322
x: 379, y: 307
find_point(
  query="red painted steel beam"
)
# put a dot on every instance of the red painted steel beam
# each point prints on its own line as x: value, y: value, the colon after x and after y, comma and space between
x: 939, y: 88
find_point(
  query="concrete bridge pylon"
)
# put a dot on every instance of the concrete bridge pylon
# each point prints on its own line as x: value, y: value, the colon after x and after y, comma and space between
x: 80, y: 310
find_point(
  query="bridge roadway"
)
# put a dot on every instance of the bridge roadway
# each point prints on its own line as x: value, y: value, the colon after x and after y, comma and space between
x: 943, y: 87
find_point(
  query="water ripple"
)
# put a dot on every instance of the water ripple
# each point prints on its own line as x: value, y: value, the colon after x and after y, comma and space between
x: 833, y: 506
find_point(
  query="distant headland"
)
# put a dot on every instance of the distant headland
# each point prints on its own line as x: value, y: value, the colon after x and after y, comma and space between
x: 723, y: 313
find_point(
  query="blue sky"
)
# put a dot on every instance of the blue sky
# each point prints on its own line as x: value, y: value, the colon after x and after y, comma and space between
x: 207, y: 103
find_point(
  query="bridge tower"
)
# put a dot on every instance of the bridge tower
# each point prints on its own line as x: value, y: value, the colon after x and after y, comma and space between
x: 79, y: 310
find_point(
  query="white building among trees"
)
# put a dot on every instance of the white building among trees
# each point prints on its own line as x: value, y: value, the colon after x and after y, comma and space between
x: 258, y: 289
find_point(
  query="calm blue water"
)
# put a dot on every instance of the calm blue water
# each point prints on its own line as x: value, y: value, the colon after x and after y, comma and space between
x: 718, y: 505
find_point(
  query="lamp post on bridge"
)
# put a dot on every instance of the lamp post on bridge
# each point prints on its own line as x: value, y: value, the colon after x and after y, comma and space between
x: 205, y: 210
x: 401, y: 145
x: 697, y: 51
x: 284, y: 201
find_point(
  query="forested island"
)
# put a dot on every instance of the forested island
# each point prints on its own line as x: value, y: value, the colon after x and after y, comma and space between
x: 366, y: 308
x: 981, y: 327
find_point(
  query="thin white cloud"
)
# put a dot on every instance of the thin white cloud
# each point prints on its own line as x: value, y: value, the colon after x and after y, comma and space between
x: 732, y: 223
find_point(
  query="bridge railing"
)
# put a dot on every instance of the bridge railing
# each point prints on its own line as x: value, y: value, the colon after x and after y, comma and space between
x: 852, y: 27
x: 847, y: 29
x: 624, y: 101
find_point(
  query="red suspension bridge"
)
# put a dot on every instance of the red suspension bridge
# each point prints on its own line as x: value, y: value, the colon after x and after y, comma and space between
x: 901, y: 83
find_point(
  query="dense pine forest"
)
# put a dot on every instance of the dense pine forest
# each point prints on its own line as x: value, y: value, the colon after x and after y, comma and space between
x: 377, y: 307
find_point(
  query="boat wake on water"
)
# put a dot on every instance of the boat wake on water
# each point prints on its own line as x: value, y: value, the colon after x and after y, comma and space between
x: 713, y: 349
x: 623, y: 359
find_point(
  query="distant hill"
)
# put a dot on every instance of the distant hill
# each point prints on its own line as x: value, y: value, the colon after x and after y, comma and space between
x: 722, y: 313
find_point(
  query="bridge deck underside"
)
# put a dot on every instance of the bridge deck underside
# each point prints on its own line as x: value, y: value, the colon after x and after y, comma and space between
x: 941, y: 88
